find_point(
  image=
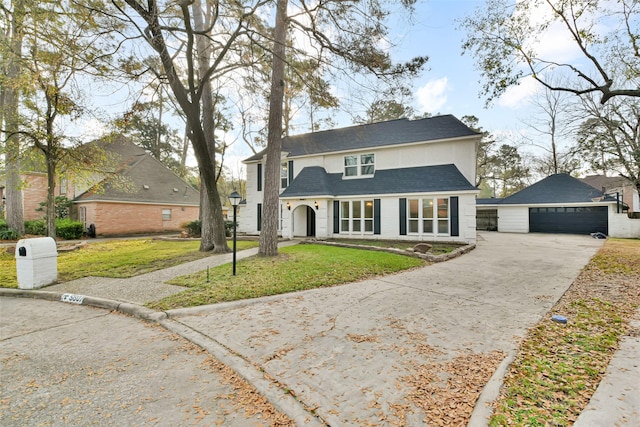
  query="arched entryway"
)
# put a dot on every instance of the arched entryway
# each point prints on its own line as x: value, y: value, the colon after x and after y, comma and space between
x: 303, y: 221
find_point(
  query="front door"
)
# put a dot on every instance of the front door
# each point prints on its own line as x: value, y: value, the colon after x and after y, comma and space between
x: 311, y: 222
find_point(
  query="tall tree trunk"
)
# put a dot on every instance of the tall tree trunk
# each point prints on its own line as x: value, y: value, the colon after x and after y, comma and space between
x: 269, y: 233
x: 213, y: 231
x: 14, y: 207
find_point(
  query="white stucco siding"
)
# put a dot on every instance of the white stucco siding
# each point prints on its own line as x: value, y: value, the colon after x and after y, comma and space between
x: 248, y: 219
x: 513, y: 219
x: 621, y: 226
x: 458, y: 152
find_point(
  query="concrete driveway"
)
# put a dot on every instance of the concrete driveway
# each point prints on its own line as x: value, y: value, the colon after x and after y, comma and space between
x: 368, y: 353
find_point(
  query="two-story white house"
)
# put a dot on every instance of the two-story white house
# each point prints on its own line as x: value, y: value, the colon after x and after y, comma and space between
x: 400, y: 179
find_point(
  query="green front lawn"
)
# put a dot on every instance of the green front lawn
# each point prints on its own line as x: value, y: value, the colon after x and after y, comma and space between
x: 296, y: 268
x: 122, y: 258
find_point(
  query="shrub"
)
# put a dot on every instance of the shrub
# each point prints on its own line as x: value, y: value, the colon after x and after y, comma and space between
x: 193, y: 228
x: 68, y: 229
x: 228, y: 228
x: 62, y: 206
x: 37, y: 227
x: 3, y: 224
x: 9, y: 233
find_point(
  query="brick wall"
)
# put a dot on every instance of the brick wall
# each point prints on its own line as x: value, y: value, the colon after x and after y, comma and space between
x: 34, y: 191
x: 133, y: 218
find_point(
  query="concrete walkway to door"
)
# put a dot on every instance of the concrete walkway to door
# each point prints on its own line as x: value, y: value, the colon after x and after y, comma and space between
x: 347, y: 352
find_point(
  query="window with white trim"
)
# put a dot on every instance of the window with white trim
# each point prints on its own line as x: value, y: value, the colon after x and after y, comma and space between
x: 359, y: 165
x: 428, y: 216
x: 284, y: 175
x: 166, y: 214
x: 356, y: 216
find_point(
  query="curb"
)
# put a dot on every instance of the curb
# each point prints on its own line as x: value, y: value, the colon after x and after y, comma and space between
x: 269, y: 388
x: 483, y: 409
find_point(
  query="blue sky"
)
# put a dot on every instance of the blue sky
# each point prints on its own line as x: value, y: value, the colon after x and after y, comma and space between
x: 451, y: 84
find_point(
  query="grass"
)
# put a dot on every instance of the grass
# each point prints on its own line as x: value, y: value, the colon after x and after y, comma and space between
x: 559, y: 366
x: 437, y: 247
x: 296, y: 268
x: 123, y: 258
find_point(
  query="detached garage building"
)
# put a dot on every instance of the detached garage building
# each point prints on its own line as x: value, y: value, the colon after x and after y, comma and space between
x: 557, y: 204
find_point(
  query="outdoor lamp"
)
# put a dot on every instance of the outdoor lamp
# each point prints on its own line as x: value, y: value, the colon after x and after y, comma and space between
x: 234, y: 198
x: 316, y: 204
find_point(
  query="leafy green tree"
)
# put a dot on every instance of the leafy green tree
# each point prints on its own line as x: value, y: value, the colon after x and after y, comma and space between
x: 508, y: 170
x: 505, y: 38
x: 61, y: 46
x: 609, y: 139
x: 145, y: 128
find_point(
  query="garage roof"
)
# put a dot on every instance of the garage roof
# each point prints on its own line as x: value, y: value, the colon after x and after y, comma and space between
x: 558, y: 188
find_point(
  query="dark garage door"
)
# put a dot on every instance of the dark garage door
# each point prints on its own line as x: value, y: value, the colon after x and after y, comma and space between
x: 574, y: 220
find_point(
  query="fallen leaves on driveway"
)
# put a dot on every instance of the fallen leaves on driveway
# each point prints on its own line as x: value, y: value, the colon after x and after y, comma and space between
x: 447, y: 391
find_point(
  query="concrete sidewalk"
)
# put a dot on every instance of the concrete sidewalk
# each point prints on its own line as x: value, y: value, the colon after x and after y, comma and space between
x: 351, y: 354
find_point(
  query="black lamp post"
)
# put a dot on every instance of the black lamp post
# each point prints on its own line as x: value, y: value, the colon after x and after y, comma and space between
x: 235, y: 201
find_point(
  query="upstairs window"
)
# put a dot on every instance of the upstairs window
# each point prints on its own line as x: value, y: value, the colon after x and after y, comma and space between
x: 359, y: 165
x: 284, y: 175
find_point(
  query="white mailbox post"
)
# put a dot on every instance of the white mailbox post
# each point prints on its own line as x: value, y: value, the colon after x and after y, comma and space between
x: 36, y: 262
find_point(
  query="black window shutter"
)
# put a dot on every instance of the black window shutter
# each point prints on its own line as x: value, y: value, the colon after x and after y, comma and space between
x: 376, y: 216
x: 403, y: 217
x: 290, y: 170
x: 455, y: 222
x: 259, y: 177
x: 259, y: 216
x: 336, y: 216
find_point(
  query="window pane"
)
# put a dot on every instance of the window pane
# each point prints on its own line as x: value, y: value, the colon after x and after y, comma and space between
x: 345, y: 210
x: 284, y: 182
x: 443, y: 227
x: 443, y: 209
x: 427, y: 208
x: 427, y: 226
x: 357, y: 210
x: 366, y: 159
x: 356, y: 225
x: 413, y: 226
x: 368, y: 209
x: 284, y: 170
x: 351, y: 171
x: 350, y: 161
x: 368, y: 225
x: 367, y: 170
x: 344, y: 225
x: 413, y: 208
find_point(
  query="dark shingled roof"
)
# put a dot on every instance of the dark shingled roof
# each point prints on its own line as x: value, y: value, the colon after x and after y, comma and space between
x: 315, y: 181
x: 488, y: 200
x: 558, y: 188
x: 372, y: 135
x: 140, y: 169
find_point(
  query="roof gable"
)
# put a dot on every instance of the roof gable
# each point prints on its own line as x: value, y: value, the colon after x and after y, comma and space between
x: 380, y: 134
x: 315, y: 181
x: 148, y: 180
x: 558, y: 188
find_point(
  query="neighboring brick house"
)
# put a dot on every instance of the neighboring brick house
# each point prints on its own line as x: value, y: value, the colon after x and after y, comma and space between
x: 399, y: 179
x: 152, y: 198
x: 613, y: 185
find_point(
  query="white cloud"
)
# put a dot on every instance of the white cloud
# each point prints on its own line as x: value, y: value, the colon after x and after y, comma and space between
x: 433, y: 95
x: 518, y: 96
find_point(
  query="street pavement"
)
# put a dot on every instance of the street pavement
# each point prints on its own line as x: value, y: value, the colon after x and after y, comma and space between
x: 347, y: 355
x: 71, y: 365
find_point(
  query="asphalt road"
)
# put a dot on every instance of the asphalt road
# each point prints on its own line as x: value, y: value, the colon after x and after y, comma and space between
x: 65, y: 364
